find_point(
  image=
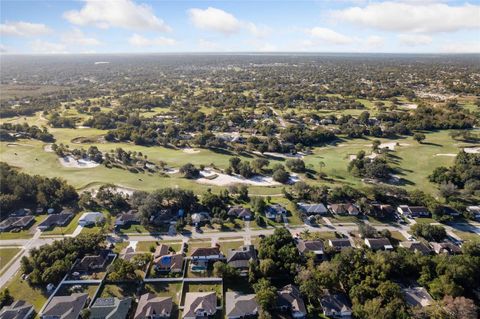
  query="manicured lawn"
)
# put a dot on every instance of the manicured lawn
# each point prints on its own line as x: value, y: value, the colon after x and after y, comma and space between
x: 165, y: 290
x: 225, y: 246
x: 425, y: 220
x: 325, y: 235
x: 66, y: 290
x: 144, y: 246
x: 397, y: 236
x: 202, y: 287
x: 118, y: 290
x: 20, y: 290
x: 192, y: 244
x: 467, y: 235
x: 6, y: 255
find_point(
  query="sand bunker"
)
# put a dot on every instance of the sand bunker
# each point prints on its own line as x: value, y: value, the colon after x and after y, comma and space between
x: 351, y: 157
x: 83, y: 127
x: 171, y: 170
x: 16, y: 144
x: 71, y: 162
x: 189, y: 150
x: 282, y: 155
x: 411, y: 106
x: 472, y: 150
x: 48, y: 148
x: 225, y: 180
x: 446, y: 154
x: 391, y: 146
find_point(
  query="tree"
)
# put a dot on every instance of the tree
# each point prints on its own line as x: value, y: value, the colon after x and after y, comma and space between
x: 281, y: 176
x: 296, y: 165
x: 459, y: 308
x: 189, y: 171
x: 367, y: 231
x: 266, y: 294
x: 419, y: 137
x: 429, y: 232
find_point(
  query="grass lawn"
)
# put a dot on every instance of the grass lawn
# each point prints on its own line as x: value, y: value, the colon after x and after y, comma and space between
x: 165, y: 290
x: 20, y: 290
x: 192, y: 244
x: 66, y: 290
x: 27, y: 233
x: 425, y: 220
x: 467, y: 235
x: 225, y: 246
x: 202, y: 287
x: 144, y: 246
x: 117, y: 290
x: 397, y: 236
x: 339, y: 219
x: 325, y: 235
x: 6, y: 255
x: 70, y: 228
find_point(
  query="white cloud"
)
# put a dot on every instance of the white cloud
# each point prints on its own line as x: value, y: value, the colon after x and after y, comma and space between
x: 117, y: 13
x: 259, y: 31
x: 375, y: 41
x: 76, y: 37
x: 413, y: 16
x: 413, y: 40
x: 214, y: 19
x: 205, y: 44
x: 23, y: 29
x: 141, y: 41
x: 464, y: 47
x: 39, y: 46
x: 329, y: 36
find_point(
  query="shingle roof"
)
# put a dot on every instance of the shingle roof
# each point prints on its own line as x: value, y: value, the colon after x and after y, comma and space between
x: 310, y: 246
x: 290, y: 296
x: 335, y: 302
x: 17, y: 310
x: 417, y: 296
x: 204, y: 301
x: 66, y: 307
x: 205, y: 251
x: 416, y: 246
x: 110, y: 308
x: 313, y: 208
x: 150, y: 304
x: 237, y: 305
x: 56, y: 220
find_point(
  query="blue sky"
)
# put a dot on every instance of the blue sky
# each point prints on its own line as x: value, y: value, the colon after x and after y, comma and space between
x: 118, y: 26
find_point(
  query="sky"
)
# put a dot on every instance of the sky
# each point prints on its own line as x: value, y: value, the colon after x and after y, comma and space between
x: 134, y: 26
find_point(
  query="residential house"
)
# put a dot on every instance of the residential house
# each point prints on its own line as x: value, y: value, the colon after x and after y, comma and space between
x: 240, y: 212
x: 166, y: 261
x: 239, y: 306
x: 378, y: 243
x: 314, y: 247
x: 416, y: 246
x: 289, y: 299
x: 91, y: 262
x: 413, y: 211
x: 199, y: 305
x: 60, y: 220
x: 475, y: 211
x: 65, y: 307
x: 272, y: 211
x: 19, y: 309
x: 110, y: 308
x: 199, y: 218
x: 91, y: 219
x: 22, y: 222
x: 22, y: 212
x: 152, y: 307
x: 417, y: 297
x: 381, y: 210
x: 200, y: 258
x: 344, y: 209
x: 127, y: 219
x: 339, y: 244
x: 336, y: 305
x: 240, y: 258
x: 313, y: 209
x: 446, y: 248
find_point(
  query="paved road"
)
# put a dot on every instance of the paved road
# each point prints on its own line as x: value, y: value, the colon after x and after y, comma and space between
x: 246, y: 234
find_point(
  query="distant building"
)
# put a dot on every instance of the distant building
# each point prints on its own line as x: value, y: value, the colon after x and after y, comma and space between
x: 313, y: 209
x: 336, y: 305
x: 65, y: 306
x: 55, y: 220
x: 416, y: 246
x: 91, y: 218
x: 21, y: 222
x: 413, y: 211
x: 381, y: 210
x: 152, y: 307
x: 239, y: 306
x: 240, y: 212
x: 272, y: 211
x: 240, y: 258
x: 199, y: 305
x: 314, y: 247
x: 344, y: 209
x: 17, y: 310
x: 110, y: 308
x: 417, y: 297
x: 339, y: 244
x: 446, y: 248
x: 289, y: 299
x: 378, y: 243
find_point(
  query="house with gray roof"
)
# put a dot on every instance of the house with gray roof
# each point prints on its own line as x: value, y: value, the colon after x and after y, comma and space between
x: 240, y: 212
x: 65, y: 307
x: 91, y: 218
x: 199, y: 305
x: 290, y: 300
x: 417, y: 297
x: 313, y: 209
x: 378, y: 243
x: 17, y: 310
x: 240, y: 306
x: 416, y: 246
x: 151, y: 306
x: 314, y: 247
x: 339, y: 244
x: 55, y: 220
x: 110, y: 308
x: 241, y: 257
x: 21, y: 222
x: 336, y: 305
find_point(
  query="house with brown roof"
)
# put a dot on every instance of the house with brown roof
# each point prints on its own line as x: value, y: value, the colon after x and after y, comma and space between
x: 314, y: 247
x: 199, y: 305
x: 166, y: 261
x: 290, y: 300
x: 381, y: 210
x: 150, y: 306
x: 207, y: 253
x: 65, y: 307
x: 416, y: 246
x: 239, y: 306
x: 446, y: 248
x: 240, y: 258
x: 378, y: 243
x: 344, y: 209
